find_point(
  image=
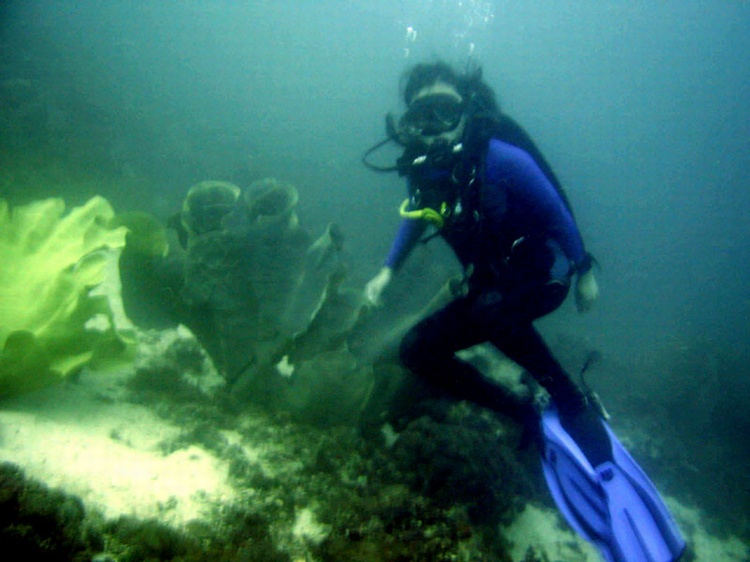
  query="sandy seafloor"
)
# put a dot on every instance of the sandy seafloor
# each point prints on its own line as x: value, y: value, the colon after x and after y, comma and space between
x: 87, y: 439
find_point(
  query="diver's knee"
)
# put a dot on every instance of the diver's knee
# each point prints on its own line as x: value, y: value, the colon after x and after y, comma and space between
x: 415, y: 353
x: 550, y: 297
x: 408, y: 349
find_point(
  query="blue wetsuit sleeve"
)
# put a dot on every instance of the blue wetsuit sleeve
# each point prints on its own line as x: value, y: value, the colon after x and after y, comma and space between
x: 532, y: 199
x: 408, y: 234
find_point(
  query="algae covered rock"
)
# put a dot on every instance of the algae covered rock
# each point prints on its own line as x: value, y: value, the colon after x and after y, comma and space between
x: 151, y: 278
x: 464, y: 459
x: 329, y: 389
x: 337, y: 313
x: 50, y: 263
x: 42, y: 523
x: 327, y: 383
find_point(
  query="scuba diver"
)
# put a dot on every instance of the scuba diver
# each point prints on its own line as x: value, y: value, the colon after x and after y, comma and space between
x: 475, y: 176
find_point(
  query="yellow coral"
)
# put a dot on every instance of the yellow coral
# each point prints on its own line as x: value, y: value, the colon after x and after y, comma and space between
x: 48, y: 264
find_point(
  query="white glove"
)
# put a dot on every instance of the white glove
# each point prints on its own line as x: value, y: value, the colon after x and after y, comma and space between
x: 375, y: 287
x: 587, y: 291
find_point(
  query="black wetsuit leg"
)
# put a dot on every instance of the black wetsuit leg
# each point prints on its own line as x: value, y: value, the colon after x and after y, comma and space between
x: 429, y: 351
x: 509, y: 323
x: 507, y: 320
x: 429, y: 348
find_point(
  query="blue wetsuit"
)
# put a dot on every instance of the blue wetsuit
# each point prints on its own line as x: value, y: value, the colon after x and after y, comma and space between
x: 517, y: 202
x: 515, y: 234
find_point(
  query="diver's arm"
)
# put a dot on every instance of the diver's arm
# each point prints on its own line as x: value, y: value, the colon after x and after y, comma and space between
x: 559, y: 221
x: 537, y: 197
x: 408, y: 234
x: 375, y: 287
x: 586, y: 291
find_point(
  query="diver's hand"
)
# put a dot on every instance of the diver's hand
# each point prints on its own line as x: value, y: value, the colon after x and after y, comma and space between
x: 375, y: 287
x: 587, y: 291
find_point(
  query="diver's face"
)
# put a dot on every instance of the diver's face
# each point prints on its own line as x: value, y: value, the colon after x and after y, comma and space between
x: 436, y: 114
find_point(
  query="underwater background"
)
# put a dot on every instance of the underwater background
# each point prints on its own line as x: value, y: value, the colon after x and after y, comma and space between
x: 643, y: 110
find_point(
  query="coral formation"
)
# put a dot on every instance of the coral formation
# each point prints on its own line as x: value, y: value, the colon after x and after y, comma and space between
x: 51, y: 263
x: 255, y: 288
x: 240, y: 272
x: 205, y: 206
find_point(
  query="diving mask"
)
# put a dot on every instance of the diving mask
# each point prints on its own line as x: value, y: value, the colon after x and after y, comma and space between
x: 432, y: 115
x: 424, y: 129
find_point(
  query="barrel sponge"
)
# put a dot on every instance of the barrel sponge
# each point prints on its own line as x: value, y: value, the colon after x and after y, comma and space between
x: 49, y: 262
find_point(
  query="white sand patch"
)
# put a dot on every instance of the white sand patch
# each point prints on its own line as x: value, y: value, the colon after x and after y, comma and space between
x: 541, y: 529
x: 307, y: 527
x: 705, y: 547
x: 544, y: 530
x: 82, y: 439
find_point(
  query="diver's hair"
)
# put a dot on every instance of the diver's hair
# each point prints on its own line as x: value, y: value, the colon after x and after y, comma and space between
x: 469, y: 84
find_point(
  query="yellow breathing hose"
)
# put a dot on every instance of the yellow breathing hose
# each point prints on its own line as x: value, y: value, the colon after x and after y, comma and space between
x: 430, y: 215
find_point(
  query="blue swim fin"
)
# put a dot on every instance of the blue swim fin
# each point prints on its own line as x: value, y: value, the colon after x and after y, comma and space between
x: 613, y: 505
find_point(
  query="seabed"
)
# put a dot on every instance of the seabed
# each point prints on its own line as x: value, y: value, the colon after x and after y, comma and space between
x: 106, y: 468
